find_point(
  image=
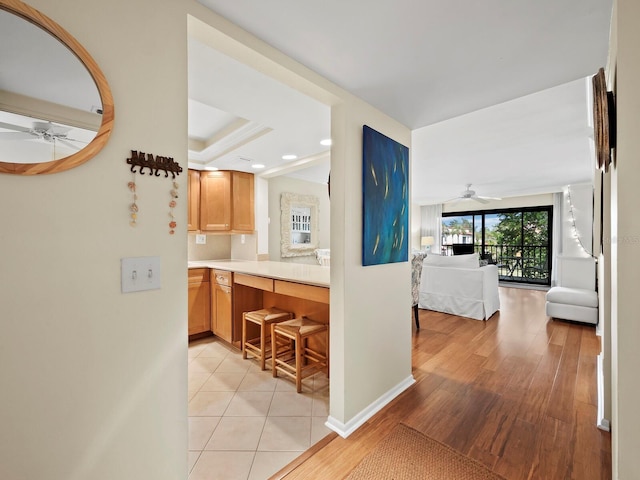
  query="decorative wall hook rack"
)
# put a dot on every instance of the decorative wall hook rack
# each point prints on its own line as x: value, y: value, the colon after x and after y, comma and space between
x: 154, y: 164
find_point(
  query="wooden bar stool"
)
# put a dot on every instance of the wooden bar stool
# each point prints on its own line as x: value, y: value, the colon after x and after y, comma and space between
x: 257, y: 347
x: 290, y: 353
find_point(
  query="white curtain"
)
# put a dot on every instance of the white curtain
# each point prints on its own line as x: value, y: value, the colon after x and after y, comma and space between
x: 558, y: 224
x: 431, y: 225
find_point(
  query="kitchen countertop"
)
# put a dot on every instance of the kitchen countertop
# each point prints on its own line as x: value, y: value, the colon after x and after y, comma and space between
x: 294, y: 272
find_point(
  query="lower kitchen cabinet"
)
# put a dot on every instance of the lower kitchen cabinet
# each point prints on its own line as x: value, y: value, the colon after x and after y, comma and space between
x: 199, y: 301
x: 222, y: 304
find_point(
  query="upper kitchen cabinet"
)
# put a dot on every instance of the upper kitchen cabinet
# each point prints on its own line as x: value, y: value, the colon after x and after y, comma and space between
x: 193, y: 205
x: 242, y: 203
x: 226, y: 202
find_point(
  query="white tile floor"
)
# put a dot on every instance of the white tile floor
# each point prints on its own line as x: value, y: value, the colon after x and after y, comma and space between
x: 243, y: 423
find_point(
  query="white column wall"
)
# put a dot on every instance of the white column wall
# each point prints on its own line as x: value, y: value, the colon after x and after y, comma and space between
x: 370, y: 306
x: 94, y: 381
x: 625, y: 244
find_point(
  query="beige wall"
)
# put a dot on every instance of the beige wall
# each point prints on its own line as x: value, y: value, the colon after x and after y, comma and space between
x: 94, y: 381
x: 625, y: 244
x: 217, y: 246
x: 279, y: 185
x: 370, y: 334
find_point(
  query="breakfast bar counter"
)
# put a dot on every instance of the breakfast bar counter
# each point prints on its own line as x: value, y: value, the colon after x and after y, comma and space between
x: 293, y: 272
x: 238, y: 286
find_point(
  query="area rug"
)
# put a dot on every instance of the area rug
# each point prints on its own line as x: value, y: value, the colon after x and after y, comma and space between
x: 406, y: 454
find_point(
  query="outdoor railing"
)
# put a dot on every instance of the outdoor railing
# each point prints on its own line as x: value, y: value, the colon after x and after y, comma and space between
x: 516, y: 263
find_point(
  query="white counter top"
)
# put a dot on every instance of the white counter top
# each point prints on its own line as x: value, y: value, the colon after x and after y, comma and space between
x: 293, y: 272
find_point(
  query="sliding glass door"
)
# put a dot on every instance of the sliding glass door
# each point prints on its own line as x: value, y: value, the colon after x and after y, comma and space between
x: 518, y: 241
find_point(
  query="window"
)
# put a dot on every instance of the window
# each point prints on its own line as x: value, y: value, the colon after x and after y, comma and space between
x: 518, y: 241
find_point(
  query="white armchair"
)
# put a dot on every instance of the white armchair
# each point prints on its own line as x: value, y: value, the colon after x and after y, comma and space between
x: 458, y: 285
x: 575, y: 298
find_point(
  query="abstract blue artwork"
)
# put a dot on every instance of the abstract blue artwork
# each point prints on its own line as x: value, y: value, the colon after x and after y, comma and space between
x: 385, y: 204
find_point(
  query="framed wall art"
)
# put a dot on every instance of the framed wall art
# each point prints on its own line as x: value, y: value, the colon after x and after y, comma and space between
x: 385, y: 199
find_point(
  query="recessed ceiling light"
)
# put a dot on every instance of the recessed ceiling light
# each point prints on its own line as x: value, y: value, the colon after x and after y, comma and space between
x: 257, y: 165
x: 211, y: 169
x: 289, y: 157
x: 326, y: 142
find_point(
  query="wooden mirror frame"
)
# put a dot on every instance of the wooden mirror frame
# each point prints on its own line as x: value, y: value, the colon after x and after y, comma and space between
x: 32, y: 15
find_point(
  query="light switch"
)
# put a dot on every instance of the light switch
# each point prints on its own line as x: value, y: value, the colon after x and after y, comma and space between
x: 140, y: 273
x: 201, y: 239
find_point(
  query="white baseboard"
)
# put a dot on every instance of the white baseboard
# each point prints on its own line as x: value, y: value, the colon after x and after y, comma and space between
x: 346, y: 429
x: 603, y: 423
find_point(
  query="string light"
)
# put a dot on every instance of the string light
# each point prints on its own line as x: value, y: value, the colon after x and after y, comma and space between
x: 574, y: 227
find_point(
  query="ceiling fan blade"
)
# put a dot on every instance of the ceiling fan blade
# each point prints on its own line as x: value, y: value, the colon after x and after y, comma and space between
x: 73, y: 140
x: 59, y: 131
x: 479, y: 199
x: 489, y: 198
x: 16, y: 136
x: 68, y: 144
x: 17, y: 128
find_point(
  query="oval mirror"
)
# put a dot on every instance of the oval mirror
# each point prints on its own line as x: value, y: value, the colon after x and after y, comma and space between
x: 56, y: 108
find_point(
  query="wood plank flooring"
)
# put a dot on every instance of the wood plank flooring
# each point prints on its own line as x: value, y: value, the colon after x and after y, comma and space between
x: 517, y: 392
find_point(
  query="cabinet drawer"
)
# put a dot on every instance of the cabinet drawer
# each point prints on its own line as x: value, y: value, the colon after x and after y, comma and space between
x: 198, y: 275
x: 221, y: 277
x: 261, y: 283
x: 308, y: 292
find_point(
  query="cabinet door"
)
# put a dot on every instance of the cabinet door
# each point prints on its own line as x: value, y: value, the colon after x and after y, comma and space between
x: 221, y: 320
x: 199, y: 302
x: 215, y: 201
x: 193, y: 201
x: 243, y: 218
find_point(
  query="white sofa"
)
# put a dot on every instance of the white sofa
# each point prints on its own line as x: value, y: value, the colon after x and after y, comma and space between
x: 575, y: 297
x: 458, y: 285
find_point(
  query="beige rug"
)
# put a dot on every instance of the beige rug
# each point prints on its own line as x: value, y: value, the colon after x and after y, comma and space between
x: 406, y: 454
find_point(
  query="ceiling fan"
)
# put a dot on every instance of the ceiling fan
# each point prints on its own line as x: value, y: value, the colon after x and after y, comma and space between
x: 469, y: 194
x: 46, y: 131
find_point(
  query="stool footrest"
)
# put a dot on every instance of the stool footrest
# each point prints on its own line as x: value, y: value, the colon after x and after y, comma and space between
x: 290, y: 354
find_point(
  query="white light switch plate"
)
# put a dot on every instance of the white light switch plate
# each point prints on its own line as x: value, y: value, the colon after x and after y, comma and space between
x: 201, y: 239
x: 140, y: 273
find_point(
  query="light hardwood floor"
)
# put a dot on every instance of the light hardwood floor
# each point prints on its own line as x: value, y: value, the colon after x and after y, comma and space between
x: 517, y: 392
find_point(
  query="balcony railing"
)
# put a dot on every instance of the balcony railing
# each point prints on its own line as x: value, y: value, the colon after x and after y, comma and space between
x: 516, y: 263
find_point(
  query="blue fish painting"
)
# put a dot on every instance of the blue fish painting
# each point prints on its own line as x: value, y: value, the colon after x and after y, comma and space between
x: 385, y: 202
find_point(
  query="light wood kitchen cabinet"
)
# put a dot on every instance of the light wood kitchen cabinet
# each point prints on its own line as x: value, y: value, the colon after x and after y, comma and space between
x: 222, y: 304
x: 242, y: 204
x: 199, y: 301
x: 226, y: 202
x: 193, y: 201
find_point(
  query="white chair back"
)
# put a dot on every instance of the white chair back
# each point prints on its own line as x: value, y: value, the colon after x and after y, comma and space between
x: 577, y: 272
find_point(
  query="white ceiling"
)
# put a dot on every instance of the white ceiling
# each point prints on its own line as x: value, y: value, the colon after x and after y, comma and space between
x: 242, y: 117
x: 430, y: 64
x: 534, y: 144
x: 36, y: 66
x: 493, y: 91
